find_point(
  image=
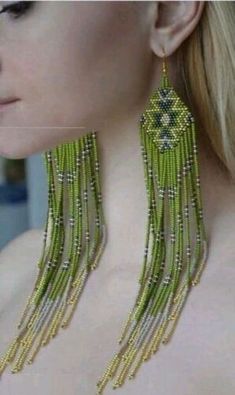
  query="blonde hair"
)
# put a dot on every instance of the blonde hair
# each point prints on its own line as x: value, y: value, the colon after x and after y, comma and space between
x: 207, y: 67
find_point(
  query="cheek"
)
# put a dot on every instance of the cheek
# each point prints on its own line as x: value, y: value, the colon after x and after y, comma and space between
x: 98, y: 68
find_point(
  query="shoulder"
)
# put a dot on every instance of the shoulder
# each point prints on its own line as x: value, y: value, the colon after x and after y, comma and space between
x: 18, y: 271
x: 18, y: 262
x: 22, y: 246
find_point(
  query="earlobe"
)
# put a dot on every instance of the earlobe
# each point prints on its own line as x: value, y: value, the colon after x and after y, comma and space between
x: 173, y: 22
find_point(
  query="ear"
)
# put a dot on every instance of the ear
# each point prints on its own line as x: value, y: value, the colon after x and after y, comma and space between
x: 173, y: 22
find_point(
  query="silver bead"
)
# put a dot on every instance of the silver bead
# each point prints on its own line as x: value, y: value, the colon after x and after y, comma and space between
x: 59, y: 220
x: 85, y: 195
x: 186, y: 211
x: 61, y: 177
x: 92, y: 185
x: 54, y: 263
x: 65, y: 264
x: 78, y: 202
x: 72, y: 221
x: 100, y: 197
x: 200, y: 213
x: 167, y: 279
x: 188, y: 251
x: 180, y: 266
x: 146, y: 251
x: 49, y: 157
x: 158, y: 236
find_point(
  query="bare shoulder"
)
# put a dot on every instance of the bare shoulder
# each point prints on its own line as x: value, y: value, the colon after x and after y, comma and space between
x: 18, y: 266
x: 26, y: 244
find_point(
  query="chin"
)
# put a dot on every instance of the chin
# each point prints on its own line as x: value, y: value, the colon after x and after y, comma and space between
x: 15, y: 152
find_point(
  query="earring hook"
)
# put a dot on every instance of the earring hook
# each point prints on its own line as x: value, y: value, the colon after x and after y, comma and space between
x: 164, y: 64
x: 164, y: 79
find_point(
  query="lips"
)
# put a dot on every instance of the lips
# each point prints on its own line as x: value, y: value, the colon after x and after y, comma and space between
x: 8, y: 100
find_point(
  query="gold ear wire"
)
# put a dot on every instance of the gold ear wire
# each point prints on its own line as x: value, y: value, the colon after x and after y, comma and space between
x: 164, y: 63
x: 164, y: 78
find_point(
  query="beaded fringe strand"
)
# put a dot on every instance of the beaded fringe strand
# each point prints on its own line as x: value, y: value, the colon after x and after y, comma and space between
x: 174, y: 228
x: 68, y: 255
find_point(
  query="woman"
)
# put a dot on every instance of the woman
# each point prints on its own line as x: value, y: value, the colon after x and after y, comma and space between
x: 83, y: 66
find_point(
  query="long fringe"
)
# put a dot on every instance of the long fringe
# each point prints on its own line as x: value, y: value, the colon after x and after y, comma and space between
x: 68, y: 256
x: 175, y: 248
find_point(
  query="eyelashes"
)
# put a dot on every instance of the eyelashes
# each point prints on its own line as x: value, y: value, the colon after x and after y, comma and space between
x: 17, y: 9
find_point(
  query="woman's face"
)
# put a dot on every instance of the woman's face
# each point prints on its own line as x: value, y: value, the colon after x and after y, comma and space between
x: 75, y: 66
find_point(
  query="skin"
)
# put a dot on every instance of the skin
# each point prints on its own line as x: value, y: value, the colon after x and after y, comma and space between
x: 92, y: 69
x: 108, y: 76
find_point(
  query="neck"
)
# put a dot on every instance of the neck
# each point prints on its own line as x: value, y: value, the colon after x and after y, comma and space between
x: 122, y: 173
x: 122, y: 176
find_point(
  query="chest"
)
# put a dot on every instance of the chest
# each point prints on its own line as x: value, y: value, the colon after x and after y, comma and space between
x: 199, y: 359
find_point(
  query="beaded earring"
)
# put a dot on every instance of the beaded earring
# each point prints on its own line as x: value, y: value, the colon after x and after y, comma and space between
x: 75, y: 216
x: 174, y: 226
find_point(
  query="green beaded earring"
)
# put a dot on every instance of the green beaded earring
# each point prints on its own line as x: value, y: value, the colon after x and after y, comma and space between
x: 174, y: 227
x: 75, y: 216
